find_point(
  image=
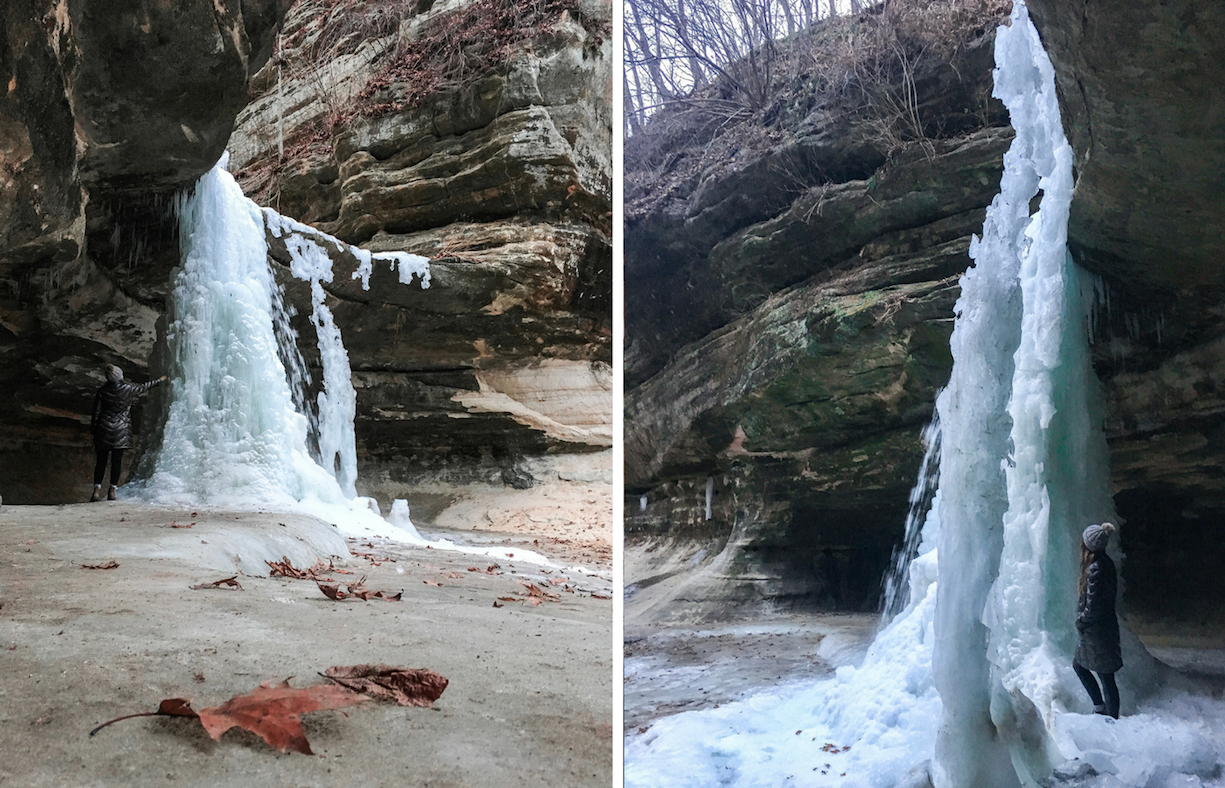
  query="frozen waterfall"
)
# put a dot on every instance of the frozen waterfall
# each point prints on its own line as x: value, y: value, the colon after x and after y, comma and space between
x: 236, y: 429
x: 972, y: 682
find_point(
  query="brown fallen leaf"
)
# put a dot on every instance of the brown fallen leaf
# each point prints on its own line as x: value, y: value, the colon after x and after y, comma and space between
x: 108, y: 565
x: 231, y: 582
x: 454, y: 575
x: 271, y: 712
x: 357, y: 590
x: 600, y: 596
x: 176, y: 525
x: 285, y: 568
x: 536, y: 592
x: 431, y: 583
x: 496, y: 603
x: 405, y: 686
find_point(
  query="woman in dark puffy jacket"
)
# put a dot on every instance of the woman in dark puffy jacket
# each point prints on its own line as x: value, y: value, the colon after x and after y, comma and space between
x: 1097, y: 648
x: 112, y: 425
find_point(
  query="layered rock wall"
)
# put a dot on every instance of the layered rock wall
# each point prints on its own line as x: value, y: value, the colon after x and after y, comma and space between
x: 499, y: 375
x: 786, y: 338
x: 789, y: 346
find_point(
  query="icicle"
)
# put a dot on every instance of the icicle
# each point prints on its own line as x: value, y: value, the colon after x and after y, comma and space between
x: 896, y: 590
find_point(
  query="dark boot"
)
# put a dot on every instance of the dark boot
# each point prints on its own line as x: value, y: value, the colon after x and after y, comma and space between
x: 110, y: 494
x: 97, y: 493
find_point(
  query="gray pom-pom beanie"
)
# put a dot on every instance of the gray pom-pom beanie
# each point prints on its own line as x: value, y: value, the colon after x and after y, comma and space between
x: 113, y: 373
x: 1096, y: 537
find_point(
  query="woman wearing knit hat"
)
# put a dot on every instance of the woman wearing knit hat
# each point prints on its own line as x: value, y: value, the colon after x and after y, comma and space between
x: 1097, y: 648
x: 112, y: 425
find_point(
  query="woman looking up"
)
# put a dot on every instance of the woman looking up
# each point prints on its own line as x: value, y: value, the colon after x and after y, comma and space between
x: 1097, y: 647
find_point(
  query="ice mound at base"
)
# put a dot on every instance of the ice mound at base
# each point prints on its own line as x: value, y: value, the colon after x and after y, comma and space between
x: 865, y: 727
x: 232, y: 435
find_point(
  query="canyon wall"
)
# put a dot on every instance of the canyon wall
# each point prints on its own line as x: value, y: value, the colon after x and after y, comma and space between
x: 497, y: 378
x: 789, y: 313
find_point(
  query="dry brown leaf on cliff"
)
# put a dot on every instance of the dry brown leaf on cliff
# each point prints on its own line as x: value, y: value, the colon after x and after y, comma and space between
x: 405, y: 686
x: 108, y: 565
x: 271, y: 712
x: 231, y: 582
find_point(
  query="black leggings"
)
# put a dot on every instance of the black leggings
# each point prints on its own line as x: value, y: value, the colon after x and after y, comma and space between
x: 1112, y: 689
x: 100, y: 464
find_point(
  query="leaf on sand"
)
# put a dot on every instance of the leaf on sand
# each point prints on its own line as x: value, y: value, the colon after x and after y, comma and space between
x: 231, y: 582
x: 271, y: 712
x: 537, y: 594
x: 357, y: 590
x: 108, y: 565
x: 285, y: 568
x: 405, y: 686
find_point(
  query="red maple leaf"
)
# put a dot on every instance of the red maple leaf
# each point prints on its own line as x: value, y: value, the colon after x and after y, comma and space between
x: 271, y: 712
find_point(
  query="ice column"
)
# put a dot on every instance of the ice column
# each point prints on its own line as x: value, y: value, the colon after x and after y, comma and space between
x: 232, y: 433
x: 977, y: 425
x: 1025, y: 466
x: 235, y: 432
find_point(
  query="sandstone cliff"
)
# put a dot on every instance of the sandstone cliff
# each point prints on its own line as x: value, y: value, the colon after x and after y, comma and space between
x: 790, y: 313
x: 497, y: 376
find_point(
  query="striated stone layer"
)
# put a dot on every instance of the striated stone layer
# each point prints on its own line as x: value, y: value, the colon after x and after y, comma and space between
x: 498, y: 375
x: 784, y: 348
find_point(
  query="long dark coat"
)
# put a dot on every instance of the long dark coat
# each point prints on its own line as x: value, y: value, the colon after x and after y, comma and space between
x: 1097, y: 648
x: 112, y: 421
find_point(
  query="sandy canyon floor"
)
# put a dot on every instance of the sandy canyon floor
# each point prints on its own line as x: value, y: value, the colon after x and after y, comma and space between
x: 529, y: 699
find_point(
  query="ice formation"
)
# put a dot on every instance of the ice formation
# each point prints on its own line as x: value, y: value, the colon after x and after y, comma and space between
x: 895, y: 592
x: 972, y: 681
x: 235, y: 434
